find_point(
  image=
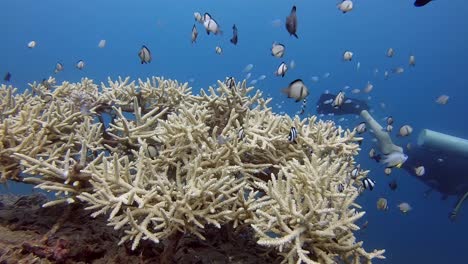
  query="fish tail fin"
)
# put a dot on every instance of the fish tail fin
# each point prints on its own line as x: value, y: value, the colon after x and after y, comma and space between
x: 295, y: 35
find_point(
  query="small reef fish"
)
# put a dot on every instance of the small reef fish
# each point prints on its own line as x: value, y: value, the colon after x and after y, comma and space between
x: 32, y: 44
x: 412, y: 61
x: 297, y: 90
x: 419, y: 171
x: 368, y: 88
x: 390, y: 52
x: 240, y: 133
x: 292, y: 64
x: 194, y: 34
x: 358, y: 65
x: 382, y: 204
x: 393, y: 185
x: 261, y: 77
x: 230, y: 82
x: 198, y: 17
x: 368, y: 183
x: 277, y: 50
x: 7, y: 77
x: 80, y: 64
x: 248, y: 68
x: 218, y: 50
x: 372, y: 153
x: 339, y: 100
x: 144, y: 54
x: 419, y: 3
x: 390, y: 120
x: 291, y: 22
x: 355, y: 91
x: 389, y: 128
x: 102, y: 43
x: 58, y: 67
x: 442, y: 99
x: 404, y: 207
x: 340, y: 187
x: 248, y: 75
x: 234, y: 35
x: 211, y: 25
x: 394, y: 159
x: 361, y: 128
x: 345, y: 6
x: 387, y: 171
x: 405, y: 131
x: 347, y: 56
x: 253, y: 82
x: 398, y: 70
x: 282, y: 69
x: 292, y: 135
x: 355, y: 172
x: 386, y: 75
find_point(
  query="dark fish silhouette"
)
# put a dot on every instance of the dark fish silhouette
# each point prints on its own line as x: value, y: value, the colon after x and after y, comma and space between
x: 291, y: 22
x: 7, y: 77
x: 234, y: 35
x: 419, y: 3
x: 393, y: 185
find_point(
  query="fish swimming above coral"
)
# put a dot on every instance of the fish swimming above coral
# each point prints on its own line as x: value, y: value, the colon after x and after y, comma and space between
x: 291, y: 22
x: 355, y: 106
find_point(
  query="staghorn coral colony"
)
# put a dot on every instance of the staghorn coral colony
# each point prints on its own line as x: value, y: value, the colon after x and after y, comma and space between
x: 160, y: 161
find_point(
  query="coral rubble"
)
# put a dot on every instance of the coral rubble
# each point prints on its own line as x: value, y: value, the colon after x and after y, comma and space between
x: 159, y: 161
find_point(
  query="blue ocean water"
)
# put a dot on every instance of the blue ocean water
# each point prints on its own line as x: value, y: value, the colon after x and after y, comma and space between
x: 437, y: 34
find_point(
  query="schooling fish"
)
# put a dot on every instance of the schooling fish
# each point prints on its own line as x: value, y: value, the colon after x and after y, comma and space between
x: 393, y: 185
x: 419, y: 3
x: 194, y: 33
x: 230, y: 82
x: 234, y: 35
x: 394, y: 159
x: 211, y: 25
x: 291, y: 22
x: 282, y: 69
x: 368, y: 183
x: 7, y: 77
x: 277, y: 50
x: 58, y: 67
x: 80, y: 64
x: 339, y: 100
x: 292, y: 135
x: 347, y: 56
x: 145, y: 55
x: 296, y: 90
x: 345, y: 6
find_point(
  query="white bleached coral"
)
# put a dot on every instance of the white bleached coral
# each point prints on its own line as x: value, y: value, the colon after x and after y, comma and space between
x: 169, y: 161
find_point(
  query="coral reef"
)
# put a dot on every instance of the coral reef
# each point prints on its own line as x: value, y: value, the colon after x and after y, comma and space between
x: 161, y: 162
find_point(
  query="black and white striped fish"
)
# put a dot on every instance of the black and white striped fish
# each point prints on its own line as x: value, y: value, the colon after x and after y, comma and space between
x: 241, y: 134
x: 230, y: 82
x: 355, y: 172
x: 303, y: 107
x: 145, y: 55
x: 341, y: 187
x: 368, y: 183
x: 292, y: 135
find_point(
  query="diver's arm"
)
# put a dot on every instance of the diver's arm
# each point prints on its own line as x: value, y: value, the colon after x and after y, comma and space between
x: 384, y: 141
